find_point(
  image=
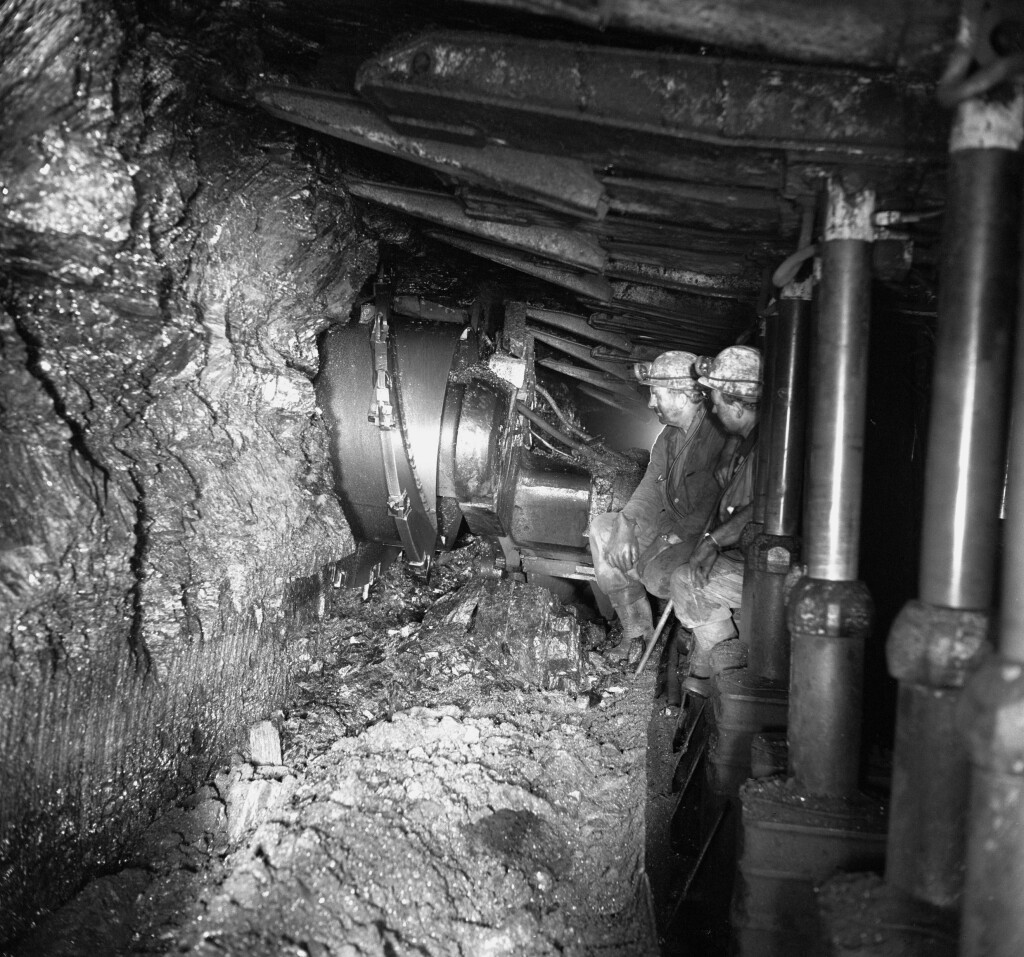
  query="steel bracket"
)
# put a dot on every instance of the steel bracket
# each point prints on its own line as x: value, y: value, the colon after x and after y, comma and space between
x: 381, y: 413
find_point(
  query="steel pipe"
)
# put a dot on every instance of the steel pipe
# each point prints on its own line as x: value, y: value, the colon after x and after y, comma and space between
x: 993, y: 919
x: 829, y: 622
x: 774, y: 550
x: 839, y: 358
x: 930, y: 651
x: 937, y: 642
x: 967, y: 431
x: 783, y: 497
x: 769, y: 560
x: 830, y: 612
x: 755, y: 526
x: 764, y: 444
x: 1011, y: 635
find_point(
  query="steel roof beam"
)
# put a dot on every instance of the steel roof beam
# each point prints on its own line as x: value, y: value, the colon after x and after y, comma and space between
x: 622, y: 108
x: 912, y: 34
x: 591, y: 287
x: 559, y: 183
x: 561, y: 245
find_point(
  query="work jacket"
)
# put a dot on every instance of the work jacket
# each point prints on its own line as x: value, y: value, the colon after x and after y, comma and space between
x: 679, y: 490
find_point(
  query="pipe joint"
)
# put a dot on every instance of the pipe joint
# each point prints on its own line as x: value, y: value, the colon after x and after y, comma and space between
x: 748, y: 536
x: 935, y: 646
x: 820, y: 608
x: 850, y: 208
x: 992, y: 716
x: 774, y: 554
x: 988, y: 125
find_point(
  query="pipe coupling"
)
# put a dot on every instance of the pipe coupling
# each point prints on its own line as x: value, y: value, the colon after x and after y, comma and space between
x: 991, y: 716
x: 935, y: 646
x: 750, y: 532
x: 774, y: 554
x: 820, y: 608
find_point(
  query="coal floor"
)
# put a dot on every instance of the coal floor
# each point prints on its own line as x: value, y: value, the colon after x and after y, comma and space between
x: 461, y: 770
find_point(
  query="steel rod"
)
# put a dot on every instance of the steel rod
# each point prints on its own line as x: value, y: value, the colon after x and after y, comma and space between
x: 654, y: 638
x: 784, y: 496
x: 966, y: 438
x: 829, y: 621
x: 839, y: 358
x: 1011, y: 634
x: 765, y: 447
x: 830, y: 612
x: 993, y: 919
x: 937, y: 643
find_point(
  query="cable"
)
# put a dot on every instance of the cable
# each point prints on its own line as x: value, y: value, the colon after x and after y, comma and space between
x: 551, y: 448
x: 571, y: 426
x: 527, y: 413
x: 790, y: 266
x: 955, y: 85
x: 964, y: 87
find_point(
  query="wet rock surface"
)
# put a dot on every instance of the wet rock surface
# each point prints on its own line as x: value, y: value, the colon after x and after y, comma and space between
x: 430, y: 799
x: 166, y: 269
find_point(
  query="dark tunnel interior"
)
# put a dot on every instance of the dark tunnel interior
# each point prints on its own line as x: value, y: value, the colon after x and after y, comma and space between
x: 324, y: 328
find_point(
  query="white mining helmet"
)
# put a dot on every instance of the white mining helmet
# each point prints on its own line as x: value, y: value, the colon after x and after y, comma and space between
x: 735, y: 371
x: 671, y: 370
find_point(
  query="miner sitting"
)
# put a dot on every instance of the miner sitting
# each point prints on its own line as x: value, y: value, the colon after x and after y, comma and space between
x: 640, y: 547
x: 706, y: 589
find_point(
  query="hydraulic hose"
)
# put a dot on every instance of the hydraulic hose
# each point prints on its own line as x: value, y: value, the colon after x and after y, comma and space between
x: 563, y: 418
x: 527, y: 413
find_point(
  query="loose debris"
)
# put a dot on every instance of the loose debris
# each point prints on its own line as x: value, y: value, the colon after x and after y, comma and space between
x: 462, y: 773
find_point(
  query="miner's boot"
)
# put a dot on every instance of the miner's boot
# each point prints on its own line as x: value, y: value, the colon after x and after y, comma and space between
x: 705, y: 637
x: 637, y: 629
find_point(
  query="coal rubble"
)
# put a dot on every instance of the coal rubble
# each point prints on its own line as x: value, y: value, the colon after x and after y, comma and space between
x: 459, y: 771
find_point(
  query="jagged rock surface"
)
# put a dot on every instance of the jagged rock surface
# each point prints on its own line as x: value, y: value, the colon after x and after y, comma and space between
x: 167, y: 270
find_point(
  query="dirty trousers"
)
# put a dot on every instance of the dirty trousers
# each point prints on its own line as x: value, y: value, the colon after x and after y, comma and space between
x: 707, y: 610
x: 652, y: 572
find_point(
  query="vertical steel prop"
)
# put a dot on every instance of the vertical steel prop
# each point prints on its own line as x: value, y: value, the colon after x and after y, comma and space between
x: 775, y: 548
x: 754, y: 699
x: 830, y: 611
x: 749, y: 618
x: 992, y: 703
x: 936, y: 642
x: 745, y: 701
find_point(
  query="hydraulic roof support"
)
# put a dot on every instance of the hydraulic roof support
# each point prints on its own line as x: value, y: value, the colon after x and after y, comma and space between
x: 775, y: 550
x: 936, y: 642
x: 797, y: 832
x: 841, y: 31
x: 993, y: 699
x: 754, y: 699
x: 830, y: 610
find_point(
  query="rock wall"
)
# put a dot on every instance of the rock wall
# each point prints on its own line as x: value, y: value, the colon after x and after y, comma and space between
x: 166, y: 269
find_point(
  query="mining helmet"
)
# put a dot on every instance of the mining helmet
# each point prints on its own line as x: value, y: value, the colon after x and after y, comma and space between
x: 671, y: 370
x: 736, y: 371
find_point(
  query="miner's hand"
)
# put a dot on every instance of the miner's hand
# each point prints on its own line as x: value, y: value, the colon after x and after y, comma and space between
x: 624, y: 549
x: 702, y: 560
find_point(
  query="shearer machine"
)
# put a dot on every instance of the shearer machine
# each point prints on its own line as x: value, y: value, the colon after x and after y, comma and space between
x: 437, y: 418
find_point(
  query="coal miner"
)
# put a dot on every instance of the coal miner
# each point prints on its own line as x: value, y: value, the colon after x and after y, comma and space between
x: 709, y: 586
x: 636, y: 551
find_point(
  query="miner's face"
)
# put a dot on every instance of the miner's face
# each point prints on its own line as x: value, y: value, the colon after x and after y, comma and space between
x: 673, y: 406
x: 735, y: 418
